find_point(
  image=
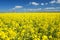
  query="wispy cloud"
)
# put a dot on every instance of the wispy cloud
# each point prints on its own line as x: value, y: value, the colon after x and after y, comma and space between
x: 34, y: 3
x: 31, y: 9
x: 17, y: 7
x: 54, y: 1
x: 46, y: 3
x: 43, y: 9
x: 58, y: 1
x: 50, y: 8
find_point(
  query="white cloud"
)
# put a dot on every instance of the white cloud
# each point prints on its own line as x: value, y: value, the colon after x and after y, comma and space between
x: 34, y: 3
x: 58, y: 1
x: 54, y: 1
x: 42, y: 3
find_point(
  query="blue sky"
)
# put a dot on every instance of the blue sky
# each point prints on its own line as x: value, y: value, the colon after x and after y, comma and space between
x: 29, y: 5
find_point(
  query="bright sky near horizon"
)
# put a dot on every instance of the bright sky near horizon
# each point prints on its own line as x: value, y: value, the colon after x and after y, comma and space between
x: 29, y: 5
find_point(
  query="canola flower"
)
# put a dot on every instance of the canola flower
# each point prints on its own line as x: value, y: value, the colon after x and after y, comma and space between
x: 31, y: 26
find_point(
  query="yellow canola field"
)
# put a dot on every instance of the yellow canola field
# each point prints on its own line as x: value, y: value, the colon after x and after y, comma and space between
x: 29, y: 26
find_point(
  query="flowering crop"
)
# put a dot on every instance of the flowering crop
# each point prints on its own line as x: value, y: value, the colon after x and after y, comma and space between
x: 31, y: 26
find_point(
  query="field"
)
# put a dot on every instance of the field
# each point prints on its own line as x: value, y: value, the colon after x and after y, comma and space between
x: 30, y: 26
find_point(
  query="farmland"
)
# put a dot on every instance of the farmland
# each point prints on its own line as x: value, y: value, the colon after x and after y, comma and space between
x: 30, y: 26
